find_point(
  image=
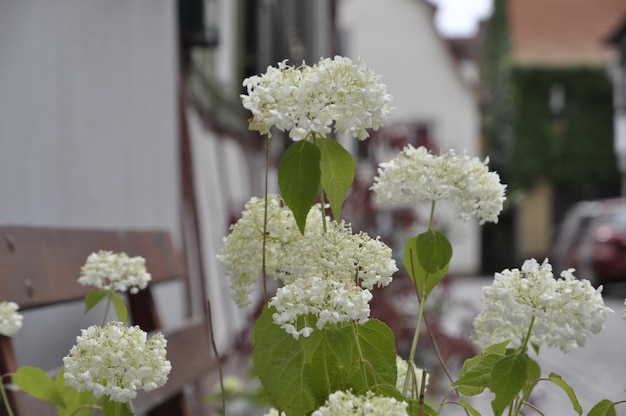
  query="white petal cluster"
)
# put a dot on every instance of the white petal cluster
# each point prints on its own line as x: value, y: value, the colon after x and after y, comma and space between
x: 10, y: 319
x: 242, y: 253
x: 403, y: 366
x: 567, y: 310
x: 311, y: 98
x: 327, y: 275
x: 117, y: 361
x: 115, y: 271
x: 334, y: 272
x: 418, y: 175
x: 342, y: 403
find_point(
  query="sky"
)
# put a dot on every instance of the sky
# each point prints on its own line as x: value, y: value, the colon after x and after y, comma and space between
x: 456, y: 18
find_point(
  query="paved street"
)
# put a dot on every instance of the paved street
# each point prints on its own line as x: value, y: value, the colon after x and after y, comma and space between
x: 596, y: 372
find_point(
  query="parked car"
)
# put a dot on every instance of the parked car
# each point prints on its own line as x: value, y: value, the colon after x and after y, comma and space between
x: 592, y: 239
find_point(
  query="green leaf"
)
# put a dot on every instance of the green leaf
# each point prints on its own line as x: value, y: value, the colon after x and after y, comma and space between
x: 37, y: 383
x: 73, y: 398
x: 499, y: 348
x: 119, y: 304
x: 469, y: 407
x: 378, y: 346
x: 299, y: 178
x: 337, y: 168
x: 280, y: 363
x: 603, y: 408
x: 558, y: 380
x: 534, y: 370
x: 508, y: 377
x: 434, y: 251
x: 93, y: 297
x: 112, y: 408
x: 476, y: 373
x: 424, y: 281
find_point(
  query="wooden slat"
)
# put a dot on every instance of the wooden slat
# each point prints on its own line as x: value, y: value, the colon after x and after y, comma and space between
x: 40, y: 266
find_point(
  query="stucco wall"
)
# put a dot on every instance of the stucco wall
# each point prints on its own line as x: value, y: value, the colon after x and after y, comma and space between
x: 88, y: 125
x: 398, y: 40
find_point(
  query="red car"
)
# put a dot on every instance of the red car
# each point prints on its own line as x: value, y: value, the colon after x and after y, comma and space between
x: 593, y: 241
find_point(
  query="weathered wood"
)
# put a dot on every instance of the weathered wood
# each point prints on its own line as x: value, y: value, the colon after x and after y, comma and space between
x: 39, y: 266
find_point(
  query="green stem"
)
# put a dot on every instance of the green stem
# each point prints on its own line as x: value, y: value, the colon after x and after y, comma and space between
x: 107, y: 307
x: 5, y: 399
x: 267, y: 168
x: 325, y: 361
x: 526, y: 339
x: 422, y: 301
x: 420, y: 317
x: 217, y: 355
x: 361, y: 358
x: 321, y: 192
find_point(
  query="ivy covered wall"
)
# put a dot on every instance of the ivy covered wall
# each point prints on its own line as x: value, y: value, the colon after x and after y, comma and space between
x: 570, y: 144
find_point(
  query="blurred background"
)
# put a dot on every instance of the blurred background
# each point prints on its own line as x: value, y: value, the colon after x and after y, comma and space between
x: 126, y: 114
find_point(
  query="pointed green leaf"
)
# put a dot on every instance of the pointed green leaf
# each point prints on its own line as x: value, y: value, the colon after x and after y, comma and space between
x: 425, y: 282
x: 377, y: 344
x: 37, y: 383
x: 337, y: 172
x: 434, y: 251
x: 476, y: 373
x: 469, y: 407
x: 558, y: 380
x: 119, y: 304
x: 113, y: 408
x: 74, y: 399
x: 508, y: 378
x: 603, y: 408
x: 499, y: 348
x: 534, y: 370
x: 299, y: 178
x: 93, y: 297
x: 280, y: 363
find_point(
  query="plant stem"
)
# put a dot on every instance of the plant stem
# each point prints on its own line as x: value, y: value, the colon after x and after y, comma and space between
x: 360, y: 352
x: 325, y: 361
x: 217, y: 355
x: 266, y: 191
x: 5, y: 399
x: 107, y: 307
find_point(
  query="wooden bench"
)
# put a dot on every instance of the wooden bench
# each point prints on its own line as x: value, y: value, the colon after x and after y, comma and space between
x: 40, y: 267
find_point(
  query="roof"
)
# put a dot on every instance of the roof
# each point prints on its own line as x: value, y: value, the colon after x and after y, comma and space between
x: 562, y: 32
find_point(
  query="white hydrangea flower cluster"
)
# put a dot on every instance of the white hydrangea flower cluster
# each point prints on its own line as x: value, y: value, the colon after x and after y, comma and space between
x: 403, y: 366
x: 242, y: 253
x: 342, y: 403
x: 326, y: 275
x: 115, y: 271
x: 306, y: 99
x: 117, y: 361
x: 567, y: 310
x: 10, y: 319
x: 418, y: 175
x: 335, y: 271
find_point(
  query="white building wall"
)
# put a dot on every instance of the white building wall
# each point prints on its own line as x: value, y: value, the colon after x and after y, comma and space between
x: 88, y: 127
x: 398, y: 40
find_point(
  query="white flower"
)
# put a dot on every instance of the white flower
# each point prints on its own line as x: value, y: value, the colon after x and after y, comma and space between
x: 349, y: 264
x: 417, y: 175
x: 342, y: 403
x: 115, y: 271
x: 117, y: 361
x: 566, y: 310
x: 10, y: 319
x: 242, y: 253
x: 310, y: 99
x: 414, y: 391
x: 315, y: 301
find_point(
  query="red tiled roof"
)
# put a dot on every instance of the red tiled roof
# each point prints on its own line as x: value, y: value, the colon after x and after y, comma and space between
x: 562, y: 32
